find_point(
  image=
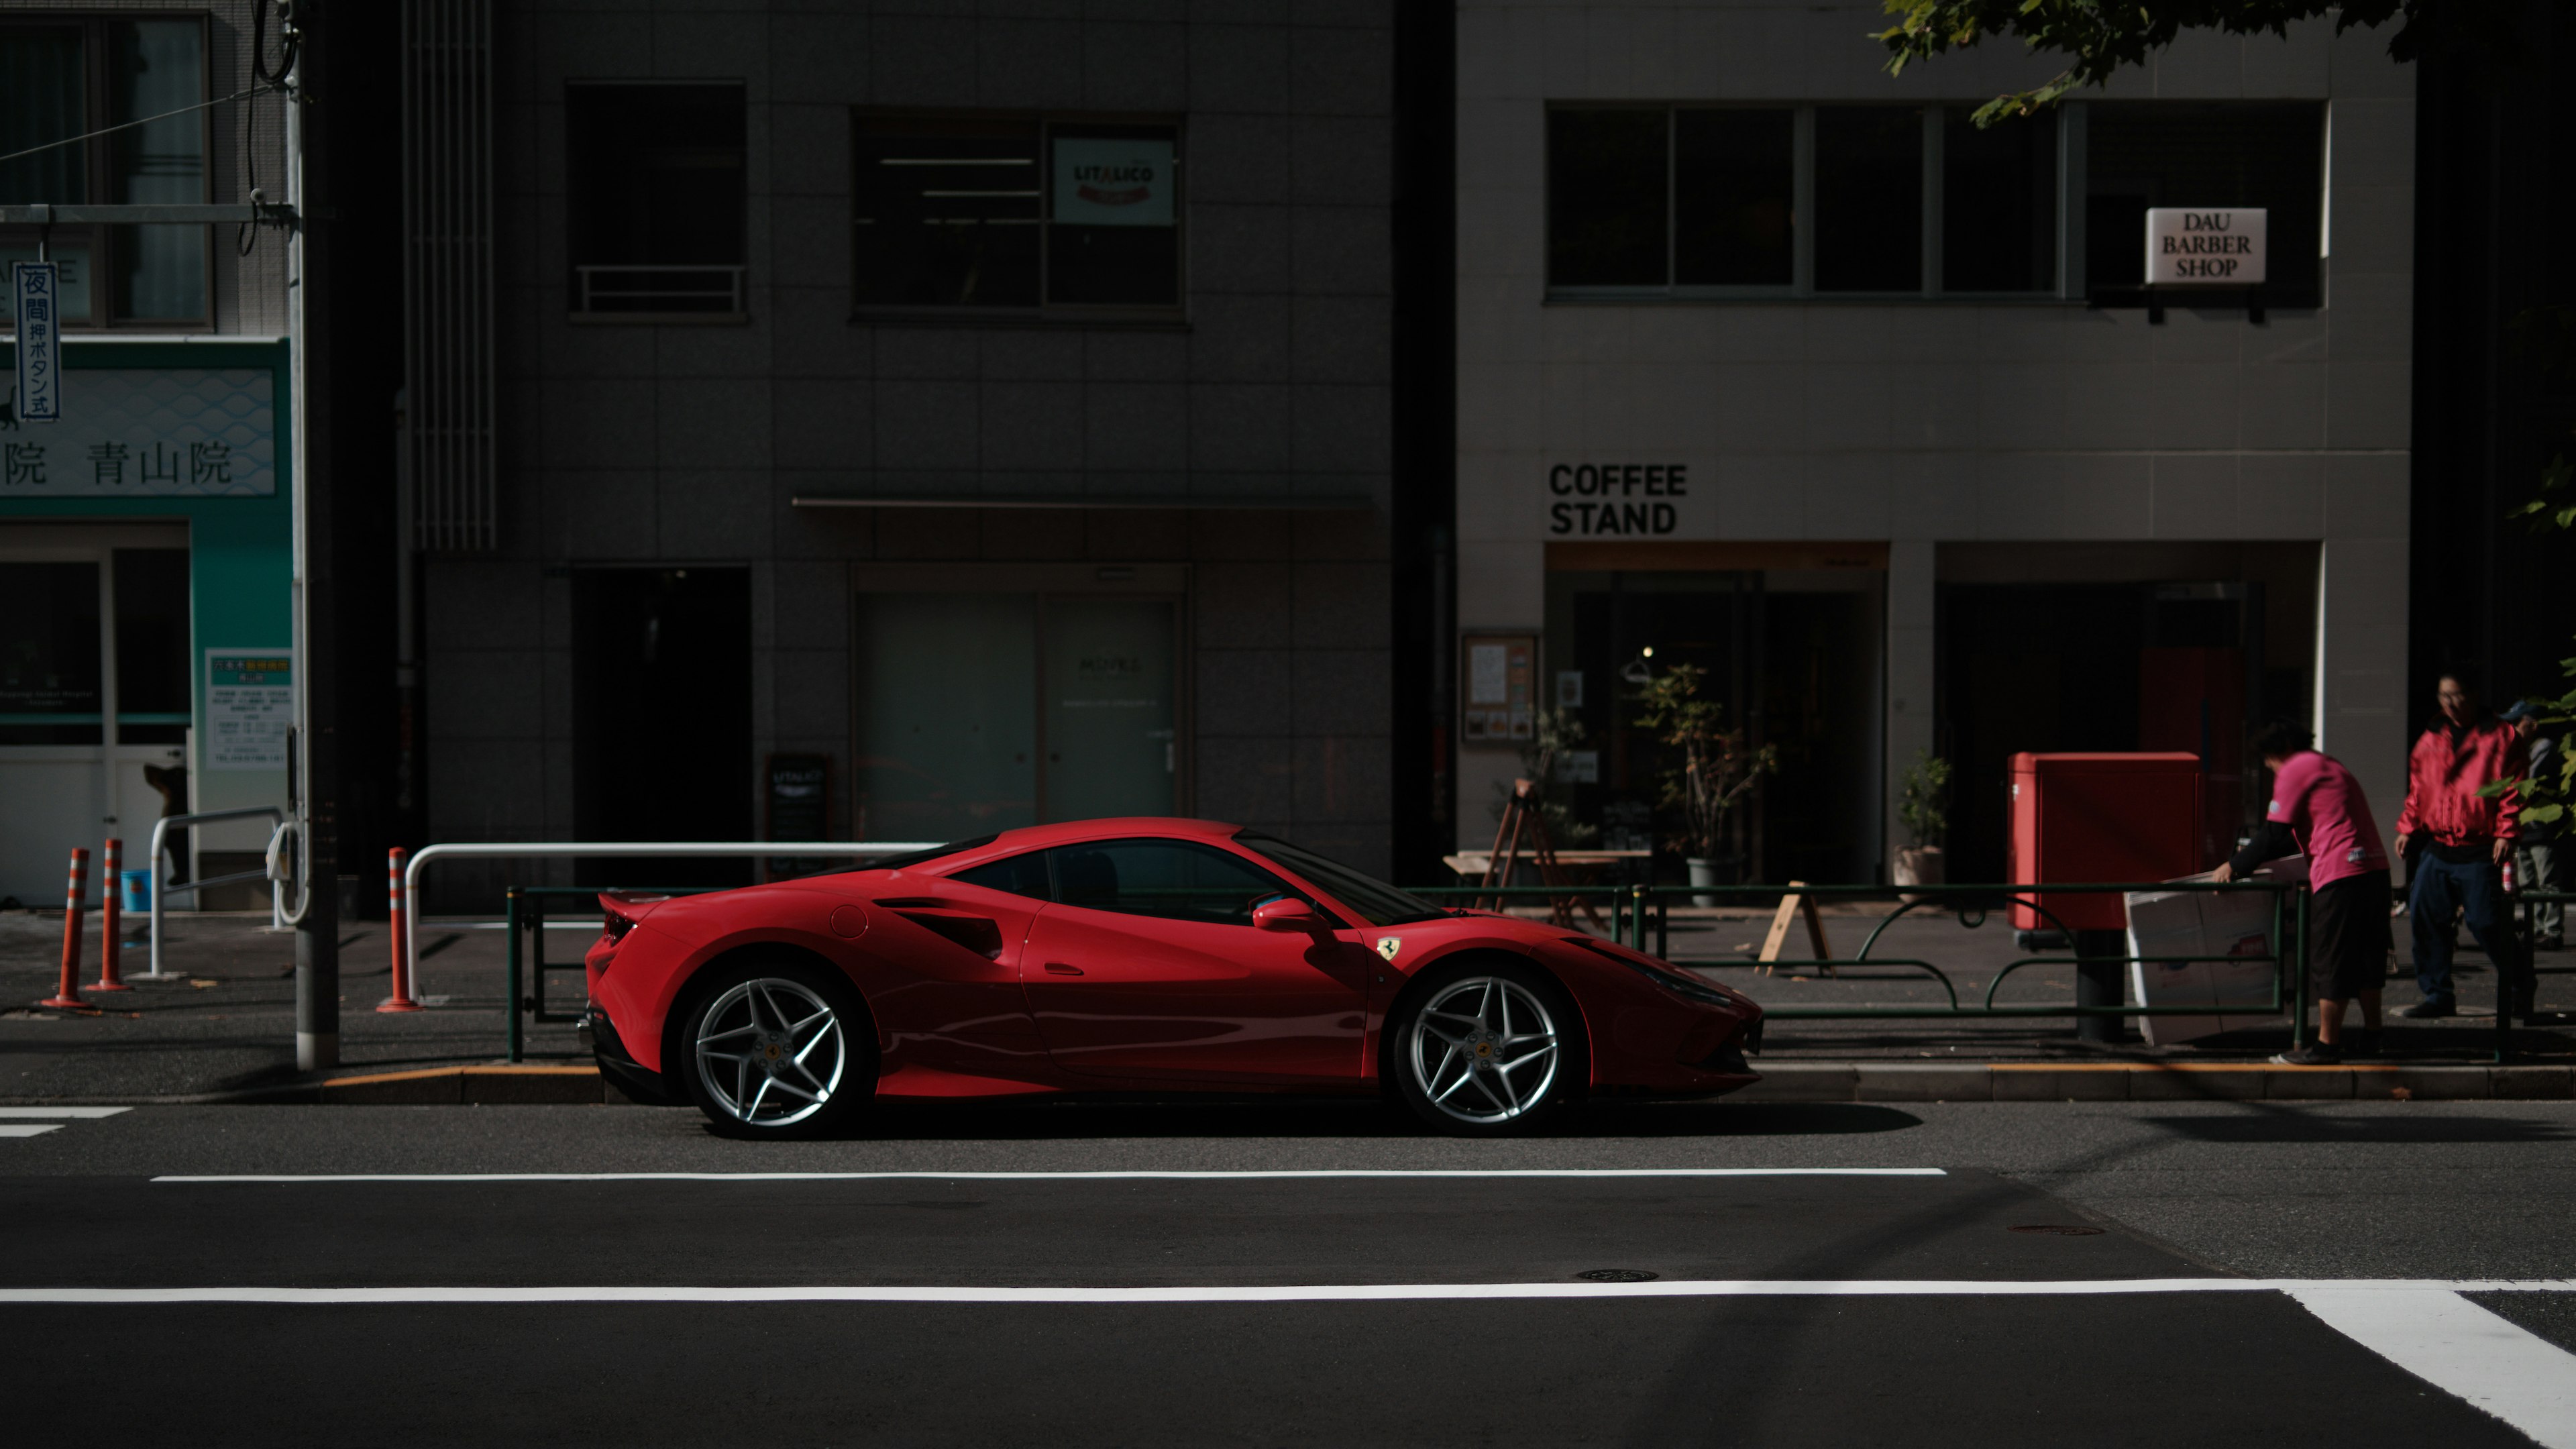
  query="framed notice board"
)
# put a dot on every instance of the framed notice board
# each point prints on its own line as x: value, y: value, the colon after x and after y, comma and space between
x: 1498, y: 693
x: 796, y: 794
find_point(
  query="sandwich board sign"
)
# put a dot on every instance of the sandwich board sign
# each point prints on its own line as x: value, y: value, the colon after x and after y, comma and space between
x: 2191, y: 246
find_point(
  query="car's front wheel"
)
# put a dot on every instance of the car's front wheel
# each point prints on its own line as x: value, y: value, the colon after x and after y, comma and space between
x: 1488, y: 1050
x: 778, y: 1049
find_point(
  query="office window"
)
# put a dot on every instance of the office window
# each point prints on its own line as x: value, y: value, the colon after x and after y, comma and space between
x: 1734, y: 197
x: 2177, y: 153
x: 1998, y: 203
x: 1608, y: 179
x: 1869, y: 199
x: 654, y: 193
x: 66, y: 78
x: 1016, y: 213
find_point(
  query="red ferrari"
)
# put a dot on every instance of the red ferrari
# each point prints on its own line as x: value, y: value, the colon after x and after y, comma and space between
x: 1132, y: 955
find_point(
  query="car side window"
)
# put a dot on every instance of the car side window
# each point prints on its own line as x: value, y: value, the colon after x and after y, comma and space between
x: 1172, y: 879
x: 1019, y: 875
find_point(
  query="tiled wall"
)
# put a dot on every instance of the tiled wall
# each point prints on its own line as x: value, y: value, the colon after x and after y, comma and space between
x: 1919, y: 423
x: 634, y: 444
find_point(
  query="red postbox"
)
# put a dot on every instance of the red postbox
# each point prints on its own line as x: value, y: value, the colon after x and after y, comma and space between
x: 2098, y: 819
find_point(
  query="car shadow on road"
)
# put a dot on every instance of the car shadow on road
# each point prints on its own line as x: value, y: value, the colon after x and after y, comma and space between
x: 1272, y: 1118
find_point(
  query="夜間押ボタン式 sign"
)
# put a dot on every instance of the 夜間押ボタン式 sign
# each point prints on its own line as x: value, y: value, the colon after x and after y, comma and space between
x: 39, y: 394
x: 2189, y: 246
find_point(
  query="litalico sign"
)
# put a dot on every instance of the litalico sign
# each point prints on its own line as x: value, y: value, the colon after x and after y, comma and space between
x: 2198, y: 246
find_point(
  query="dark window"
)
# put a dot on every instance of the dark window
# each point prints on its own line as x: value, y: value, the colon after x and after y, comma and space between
x: 2181, y: 153
x: 1173, y: 879
x: 1019, y: 875
x: 1998, y: 203
x: 151, y: 646
x: 654, y: 192
x: 1869, y: 199
x: 64, y: 79
x: 1014, y: 212
x: 1733, y: 189
x: 50, y: 685
x: 1607, y: 184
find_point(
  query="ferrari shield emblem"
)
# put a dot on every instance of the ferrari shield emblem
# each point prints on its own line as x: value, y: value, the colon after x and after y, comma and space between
x: 1387, y: 946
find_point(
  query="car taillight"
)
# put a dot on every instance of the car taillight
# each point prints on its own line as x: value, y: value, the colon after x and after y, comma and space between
x: 614, y: 928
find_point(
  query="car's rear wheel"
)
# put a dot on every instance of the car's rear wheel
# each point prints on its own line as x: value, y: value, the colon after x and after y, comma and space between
x: 1489, y: 1050
x: 778, y: 1049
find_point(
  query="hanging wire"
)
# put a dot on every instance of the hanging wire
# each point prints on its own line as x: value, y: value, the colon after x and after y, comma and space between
x: 246, y: 236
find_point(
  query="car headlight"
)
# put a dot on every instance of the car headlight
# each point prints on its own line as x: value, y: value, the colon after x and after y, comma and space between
x: 1689, y: 988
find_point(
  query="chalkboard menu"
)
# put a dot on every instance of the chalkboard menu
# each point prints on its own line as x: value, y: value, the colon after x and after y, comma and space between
x: 798, y: 792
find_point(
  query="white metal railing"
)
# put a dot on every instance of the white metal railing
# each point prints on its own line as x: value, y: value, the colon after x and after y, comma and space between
x: 605, y: 849
x: 714, y: 290
x: 161, y: 876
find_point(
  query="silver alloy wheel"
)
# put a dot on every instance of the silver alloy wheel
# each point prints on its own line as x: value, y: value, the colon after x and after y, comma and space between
x: 1483, y: 1050
x: 770, y: 1052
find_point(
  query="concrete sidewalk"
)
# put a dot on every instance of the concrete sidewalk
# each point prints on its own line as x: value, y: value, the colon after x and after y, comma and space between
x: 226, y: 1031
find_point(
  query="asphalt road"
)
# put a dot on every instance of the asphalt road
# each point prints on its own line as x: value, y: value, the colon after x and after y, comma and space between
x: 1821, y: 1275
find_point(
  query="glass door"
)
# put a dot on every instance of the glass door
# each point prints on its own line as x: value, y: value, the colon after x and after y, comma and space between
x: 983, y: 712
x: 86, y: 707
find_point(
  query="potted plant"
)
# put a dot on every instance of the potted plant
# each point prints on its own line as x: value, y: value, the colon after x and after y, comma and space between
x: 1715, y: 771
x: 1925, y: 811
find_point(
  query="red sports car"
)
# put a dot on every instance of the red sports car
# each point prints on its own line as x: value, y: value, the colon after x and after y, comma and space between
x: 1132, y: 955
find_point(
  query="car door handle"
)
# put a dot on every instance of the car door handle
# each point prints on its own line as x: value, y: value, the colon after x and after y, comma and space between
x: 1058, y: 968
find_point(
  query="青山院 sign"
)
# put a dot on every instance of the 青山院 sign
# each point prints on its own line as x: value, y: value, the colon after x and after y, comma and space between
x: 2199, y: 245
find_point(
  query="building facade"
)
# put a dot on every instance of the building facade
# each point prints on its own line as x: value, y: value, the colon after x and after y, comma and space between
x: 908, y: 426
x: 145, y: 534
x: 1776, y: 365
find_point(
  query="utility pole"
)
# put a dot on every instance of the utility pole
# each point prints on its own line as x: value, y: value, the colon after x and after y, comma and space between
x: 317, y: 762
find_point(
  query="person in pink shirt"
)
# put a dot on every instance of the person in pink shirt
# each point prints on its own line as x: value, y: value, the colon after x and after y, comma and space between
x: 2318, y: 810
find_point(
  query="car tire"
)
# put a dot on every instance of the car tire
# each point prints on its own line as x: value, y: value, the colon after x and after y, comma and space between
x: 777, y: 1049
x: 1487, y: 1049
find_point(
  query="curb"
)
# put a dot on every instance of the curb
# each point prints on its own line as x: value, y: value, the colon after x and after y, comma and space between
x: 464, y: 1086
x: 2151, y: 1082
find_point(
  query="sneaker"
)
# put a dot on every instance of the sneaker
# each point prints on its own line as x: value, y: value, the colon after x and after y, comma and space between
x: 2319, y: 1055
x: 2428, y: 1010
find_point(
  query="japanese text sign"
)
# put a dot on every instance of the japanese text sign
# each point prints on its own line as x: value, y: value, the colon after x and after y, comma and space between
x: 39, y: 398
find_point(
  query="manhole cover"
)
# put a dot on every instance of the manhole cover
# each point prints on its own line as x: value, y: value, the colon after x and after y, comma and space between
x: 2056, y: 1230
x: 1616, y: 1275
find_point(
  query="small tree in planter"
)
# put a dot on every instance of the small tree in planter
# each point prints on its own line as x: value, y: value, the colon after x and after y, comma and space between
x: 1925, y: 811
x: 1716, y: 771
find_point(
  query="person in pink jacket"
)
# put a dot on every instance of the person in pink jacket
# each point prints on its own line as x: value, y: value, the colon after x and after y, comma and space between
x: 2467, y: 837
x: 2318, y: 810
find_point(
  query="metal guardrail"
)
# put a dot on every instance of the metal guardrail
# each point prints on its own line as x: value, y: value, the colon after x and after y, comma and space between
x: 526, y: 923
x: 607, y: 850
x: 1637, y: 909
x: 161, y: 878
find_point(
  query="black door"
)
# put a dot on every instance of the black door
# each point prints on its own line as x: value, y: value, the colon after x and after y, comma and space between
x: 662, y: 718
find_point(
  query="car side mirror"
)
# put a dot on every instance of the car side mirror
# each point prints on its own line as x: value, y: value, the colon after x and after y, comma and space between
x: 1286, y: 914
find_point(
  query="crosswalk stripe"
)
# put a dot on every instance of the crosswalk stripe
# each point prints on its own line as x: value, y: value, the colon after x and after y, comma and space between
x: 2462, y: 1349
x: 28, y: 1129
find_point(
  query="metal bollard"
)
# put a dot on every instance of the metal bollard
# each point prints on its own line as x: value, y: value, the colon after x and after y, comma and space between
x: 110, y: 916
x: 75, y: 895
x: 401, y: 998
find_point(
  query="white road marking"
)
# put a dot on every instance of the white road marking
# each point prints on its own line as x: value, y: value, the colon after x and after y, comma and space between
x: 28, y: 1129
x: 1468, y: 1172
x: 2462, y: 1349
x: 1325, y: 1293
x: 82, y: 1114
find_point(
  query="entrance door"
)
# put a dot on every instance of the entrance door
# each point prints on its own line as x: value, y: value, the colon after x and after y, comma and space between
x: 980, y: 712
x: 1148, y: 966
x: 93, y: 690
x: 662, y: 718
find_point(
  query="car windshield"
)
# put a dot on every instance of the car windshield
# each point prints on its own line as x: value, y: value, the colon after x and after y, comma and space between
x: 918, y: 857
x: 1377, y: 902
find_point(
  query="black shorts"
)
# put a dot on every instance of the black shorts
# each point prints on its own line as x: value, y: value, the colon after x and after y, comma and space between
x: 2348, y: 940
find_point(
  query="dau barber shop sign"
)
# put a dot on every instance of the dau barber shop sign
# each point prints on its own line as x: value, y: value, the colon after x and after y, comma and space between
x: 2204, y: 246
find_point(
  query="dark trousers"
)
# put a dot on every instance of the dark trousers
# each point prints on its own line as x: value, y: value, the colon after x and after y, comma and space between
x: 2442, y: 886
